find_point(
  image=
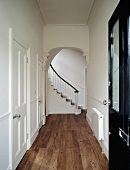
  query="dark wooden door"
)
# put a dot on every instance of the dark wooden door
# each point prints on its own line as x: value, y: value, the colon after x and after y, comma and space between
x: 119, y: 87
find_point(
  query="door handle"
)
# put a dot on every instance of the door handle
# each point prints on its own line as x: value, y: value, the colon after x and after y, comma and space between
x: 19, y: 115
x: 40, y: 101
x: 105, y: 102
x: 16, y: 116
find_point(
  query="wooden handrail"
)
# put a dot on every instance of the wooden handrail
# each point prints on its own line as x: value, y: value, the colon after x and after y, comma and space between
x: 76, y: 91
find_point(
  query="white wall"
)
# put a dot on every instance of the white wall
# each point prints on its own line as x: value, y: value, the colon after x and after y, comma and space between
x: 70, y: 64
x: 98, y: 64
x: 21, y: 16
x: 66, y: 36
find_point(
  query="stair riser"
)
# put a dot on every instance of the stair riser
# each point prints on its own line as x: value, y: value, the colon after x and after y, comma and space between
x: 62, y: 99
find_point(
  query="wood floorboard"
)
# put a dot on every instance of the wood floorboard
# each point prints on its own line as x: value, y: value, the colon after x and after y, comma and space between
x: 65, y: 142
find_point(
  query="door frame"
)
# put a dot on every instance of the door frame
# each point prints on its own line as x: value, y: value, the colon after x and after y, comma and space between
x: 28, y: 99
x: 39, y: 89
x: 86, y: 89
x: 43, y: 102
x: 44, y: 94
x: 13, y: 36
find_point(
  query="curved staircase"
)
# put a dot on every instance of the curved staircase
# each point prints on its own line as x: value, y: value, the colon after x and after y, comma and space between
x: 62, y: 96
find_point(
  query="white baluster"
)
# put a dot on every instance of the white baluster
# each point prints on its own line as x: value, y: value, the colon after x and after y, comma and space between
x: 76, y: 99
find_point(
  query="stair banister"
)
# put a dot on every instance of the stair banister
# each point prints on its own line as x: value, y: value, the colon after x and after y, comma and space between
x: 75, y: 90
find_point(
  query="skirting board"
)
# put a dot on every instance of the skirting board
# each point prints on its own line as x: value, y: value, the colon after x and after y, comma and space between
x: 44, y: 120
x: 33, y: 136
x: 9, y: 168
x: 106, y: 151
x: 51, y: 113
x: 89, y: 121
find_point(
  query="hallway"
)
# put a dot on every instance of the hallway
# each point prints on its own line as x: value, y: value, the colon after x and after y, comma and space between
x: 65, y: 142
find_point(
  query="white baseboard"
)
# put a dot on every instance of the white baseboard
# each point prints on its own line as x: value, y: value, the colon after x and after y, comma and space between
x: 51, y: 113
x: 9, y: 168
x: 40, y: 125
x: 33, y: 136
x: 105, y: 148
x: 89, y: 120
x: 44, y: 120
x: 47, y: 113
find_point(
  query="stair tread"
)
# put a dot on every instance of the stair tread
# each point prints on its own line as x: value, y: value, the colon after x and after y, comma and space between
x: 59, y: 92
x: 63, y: 96
x: 80, y: 107
x: 73, y: 103
x: 68, y: 100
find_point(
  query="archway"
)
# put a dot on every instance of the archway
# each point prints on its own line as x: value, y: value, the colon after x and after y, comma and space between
x: 79, y: 83
x: 48, y: 57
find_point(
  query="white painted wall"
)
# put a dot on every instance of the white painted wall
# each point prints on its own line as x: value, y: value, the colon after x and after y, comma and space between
x: 98, y: 65
x: 66, y: 36
x: 26, y: 23
x: 70, y: 65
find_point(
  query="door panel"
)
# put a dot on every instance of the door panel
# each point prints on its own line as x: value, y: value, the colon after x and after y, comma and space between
x: 19, y: 102
x: 115, y: 67
x: 119, y: 88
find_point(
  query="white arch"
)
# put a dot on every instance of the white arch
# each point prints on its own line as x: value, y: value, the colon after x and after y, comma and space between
x: 48, y: 57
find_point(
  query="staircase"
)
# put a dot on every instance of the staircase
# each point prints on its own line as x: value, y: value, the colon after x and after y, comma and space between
x: 63, y: 95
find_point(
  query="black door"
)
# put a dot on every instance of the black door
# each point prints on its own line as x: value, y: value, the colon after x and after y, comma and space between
x: 119, y: 87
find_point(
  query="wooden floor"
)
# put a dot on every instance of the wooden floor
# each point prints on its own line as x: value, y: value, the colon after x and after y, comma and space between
x: 64, y: 143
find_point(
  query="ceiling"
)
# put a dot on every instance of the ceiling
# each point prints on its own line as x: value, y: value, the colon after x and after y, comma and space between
x: 65, y: 12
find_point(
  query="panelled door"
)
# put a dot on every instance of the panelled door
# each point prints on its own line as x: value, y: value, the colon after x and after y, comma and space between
x: 19, y: 67
x: 119, y: 87
x: 40, y: 94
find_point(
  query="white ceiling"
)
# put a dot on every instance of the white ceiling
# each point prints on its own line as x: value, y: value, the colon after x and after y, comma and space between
x: 65, y: 12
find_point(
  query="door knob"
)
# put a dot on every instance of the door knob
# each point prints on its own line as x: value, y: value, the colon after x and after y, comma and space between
x: 19, y: 115
x: 16, y: 116
x: 105, y: 102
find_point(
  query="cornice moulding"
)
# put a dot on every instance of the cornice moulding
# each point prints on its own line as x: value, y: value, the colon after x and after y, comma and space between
x: 38, y: 12
x: 93, y: 11
x: 66, y: 25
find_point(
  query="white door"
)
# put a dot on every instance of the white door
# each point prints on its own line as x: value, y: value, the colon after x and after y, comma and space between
x: 19, y: 102
x: 40, y: 94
